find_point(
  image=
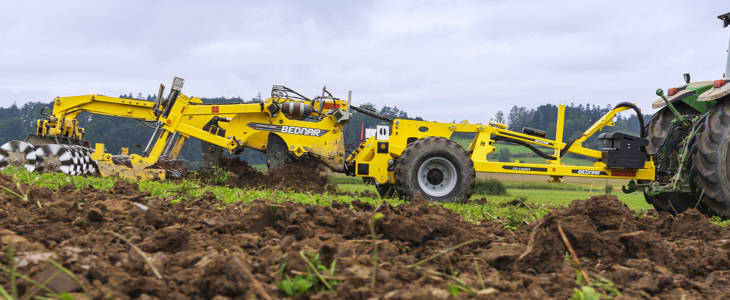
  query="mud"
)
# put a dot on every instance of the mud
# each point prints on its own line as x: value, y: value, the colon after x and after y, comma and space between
x: 202, y: 251
x: 304, y: 176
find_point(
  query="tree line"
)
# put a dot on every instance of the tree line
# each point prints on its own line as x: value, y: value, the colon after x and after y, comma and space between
x: 578, y: 118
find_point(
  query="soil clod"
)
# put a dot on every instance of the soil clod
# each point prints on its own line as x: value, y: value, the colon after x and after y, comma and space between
x: 204, y: 252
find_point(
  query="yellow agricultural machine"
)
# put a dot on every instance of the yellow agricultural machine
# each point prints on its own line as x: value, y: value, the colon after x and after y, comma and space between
x: 285, y: 126
x: 405, y: 158
x: 420, y: 157
x: 680, y: 161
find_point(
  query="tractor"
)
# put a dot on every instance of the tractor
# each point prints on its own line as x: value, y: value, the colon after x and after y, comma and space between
x: 689, y: 137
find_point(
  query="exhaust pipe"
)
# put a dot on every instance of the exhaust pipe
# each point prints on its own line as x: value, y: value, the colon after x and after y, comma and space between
x: 726, y: 75
x: 725, y: 23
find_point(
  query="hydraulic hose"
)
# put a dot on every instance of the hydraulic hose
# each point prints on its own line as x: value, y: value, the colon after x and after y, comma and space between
x: 638, y: 115
x: 371, y: 114
x: 534, y: 149
x: 622, y: 104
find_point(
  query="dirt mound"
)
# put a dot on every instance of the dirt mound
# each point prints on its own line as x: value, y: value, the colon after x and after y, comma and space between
x: 298, y: 176
x: 668, y: 256
x: 202, y: 251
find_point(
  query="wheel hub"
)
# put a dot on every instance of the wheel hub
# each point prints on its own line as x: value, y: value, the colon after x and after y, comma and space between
x: 437, y: 176
x: 16, y: 159
x: 18, y: 154
x: 50, y: 163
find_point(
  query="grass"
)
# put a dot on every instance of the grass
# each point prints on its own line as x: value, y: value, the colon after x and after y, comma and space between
x: 313, y: 278
x: 489, y: 186
x: 185, y: 189
x: 539, y: 193
x: 542, y: 197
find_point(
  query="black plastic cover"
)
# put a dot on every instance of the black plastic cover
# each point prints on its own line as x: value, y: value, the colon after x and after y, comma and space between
x: 623, y: 151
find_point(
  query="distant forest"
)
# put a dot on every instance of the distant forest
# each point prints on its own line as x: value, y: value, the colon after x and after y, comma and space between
x: 577, y: 119
x: 17, y: 122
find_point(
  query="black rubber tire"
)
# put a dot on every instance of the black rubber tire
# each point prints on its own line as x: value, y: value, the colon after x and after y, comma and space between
x: 418, y: 152
x: 277, y: 152
x: 673, y: 202
x: 658, y: 126
x: 387, y: 190
x: 694, y: 199
x: 712, y: 160
x: 656, y: 132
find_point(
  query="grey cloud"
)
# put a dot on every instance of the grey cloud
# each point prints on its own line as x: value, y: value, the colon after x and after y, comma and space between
x: 443, y: 60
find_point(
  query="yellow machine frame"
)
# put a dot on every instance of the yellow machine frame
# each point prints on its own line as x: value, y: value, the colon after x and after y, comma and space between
x: 230, y: 126
x: 374, y: 158
x: 318, y: 133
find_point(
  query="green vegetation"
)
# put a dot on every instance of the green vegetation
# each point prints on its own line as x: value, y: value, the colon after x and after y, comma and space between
x: 313, y: 278
x: 598, y: 288
x: 719, y: 221
x: 217, y: 176
x: 522, y: 203
x: 489, y: 186
x: 185, y: 189
x: 542, y: 197
x: 577, y: 119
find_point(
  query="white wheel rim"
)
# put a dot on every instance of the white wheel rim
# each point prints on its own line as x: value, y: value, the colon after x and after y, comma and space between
x: 437, y: 176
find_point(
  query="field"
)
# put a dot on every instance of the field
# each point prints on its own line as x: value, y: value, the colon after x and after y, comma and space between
x: 231, y: 236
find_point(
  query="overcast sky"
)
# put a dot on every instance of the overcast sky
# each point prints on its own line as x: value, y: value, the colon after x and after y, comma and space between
x: 442, y: 60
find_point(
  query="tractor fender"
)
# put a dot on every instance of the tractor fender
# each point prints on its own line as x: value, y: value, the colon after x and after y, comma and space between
x: 715, y: 93
x: 659, y: 103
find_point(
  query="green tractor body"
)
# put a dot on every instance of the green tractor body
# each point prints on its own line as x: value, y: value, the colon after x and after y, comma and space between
x: 689, y: 139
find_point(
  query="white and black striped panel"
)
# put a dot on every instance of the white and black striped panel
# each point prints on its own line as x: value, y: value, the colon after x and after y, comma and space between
x: 85, y: 165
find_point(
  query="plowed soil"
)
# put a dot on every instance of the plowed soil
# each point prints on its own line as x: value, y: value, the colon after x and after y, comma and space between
x: 202, y: 251
x: 297, y: 176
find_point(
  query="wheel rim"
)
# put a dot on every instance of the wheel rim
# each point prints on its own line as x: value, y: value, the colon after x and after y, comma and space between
x: 437, y: 176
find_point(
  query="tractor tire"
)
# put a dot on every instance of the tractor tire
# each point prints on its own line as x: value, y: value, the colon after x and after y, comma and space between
x: 437, y: 168
x: 712, y: 160
x: 657, y: 131
x: 658, y: 127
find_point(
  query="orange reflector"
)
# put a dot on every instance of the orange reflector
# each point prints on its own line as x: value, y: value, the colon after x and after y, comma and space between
x: 214, y: 109
x: 671, y: 92
x: 330, y: 105
x: 718, y: 83
x: 623, y: 173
